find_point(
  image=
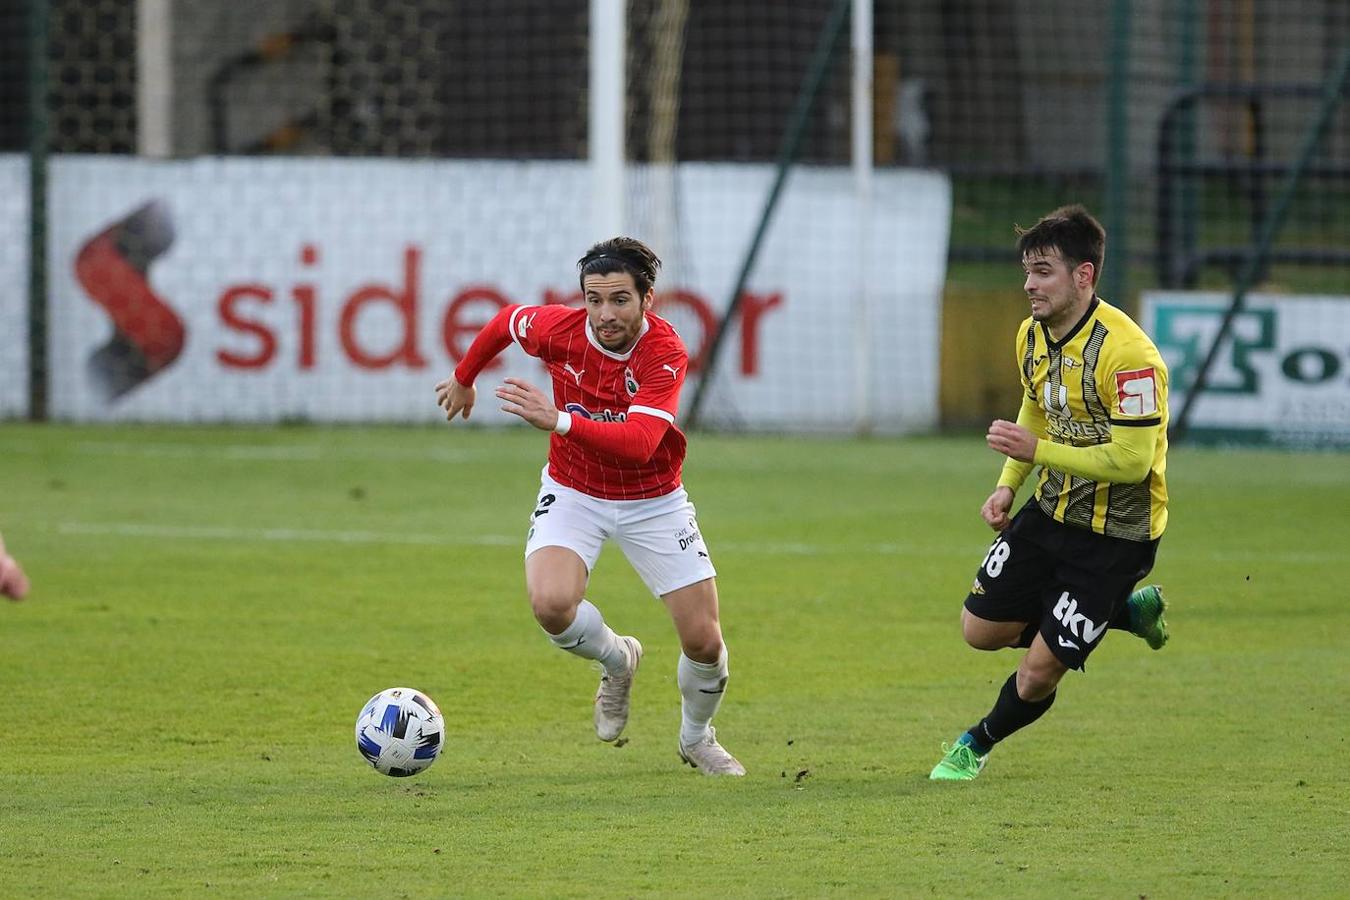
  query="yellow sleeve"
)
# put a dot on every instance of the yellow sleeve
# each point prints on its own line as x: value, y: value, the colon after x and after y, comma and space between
x: 1032, y: 418
x: 1125, y: 459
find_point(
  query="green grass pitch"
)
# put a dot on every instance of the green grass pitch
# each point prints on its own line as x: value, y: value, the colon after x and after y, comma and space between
x: 212, y: 606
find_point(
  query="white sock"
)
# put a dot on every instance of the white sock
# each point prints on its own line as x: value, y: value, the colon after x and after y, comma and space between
x: 701, y: 687
x: 590, y: 638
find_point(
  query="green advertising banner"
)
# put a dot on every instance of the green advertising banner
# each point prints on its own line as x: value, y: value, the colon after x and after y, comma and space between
x: 1282, y: 376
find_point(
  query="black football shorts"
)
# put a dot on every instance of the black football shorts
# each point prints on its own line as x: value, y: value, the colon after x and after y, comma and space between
x: 1067, y: 578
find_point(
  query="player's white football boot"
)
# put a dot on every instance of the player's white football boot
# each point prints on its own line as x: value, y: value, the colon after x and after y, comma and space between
x: 611, y: 700
x: 709, y: 757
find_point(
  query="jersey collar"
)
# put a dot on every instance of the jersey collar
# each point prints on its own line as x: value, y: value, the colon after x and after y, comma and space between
x: 1078, y: 326
x: 595, y: 342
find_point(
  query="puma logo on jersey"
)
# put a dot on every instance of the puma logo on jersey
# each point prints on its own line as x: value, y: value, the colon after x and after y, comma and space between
x: 574, y: 373
x: 1079, y: 625
x: 674, y: 370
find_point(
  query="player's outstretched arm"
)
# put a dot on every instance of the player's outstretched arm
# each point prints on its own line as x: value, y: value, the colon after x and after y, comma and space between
x: 456, y: 394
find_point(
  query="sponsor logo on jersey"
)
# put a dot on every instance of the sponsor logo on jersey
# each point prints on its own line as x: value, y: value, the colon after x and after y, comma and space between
x: 1080, y: 434
x: 1055, y: 399
x: 1079, y: 625
x: 604, y: 415
x: 689, y: 535
x: 630, y: 384
x: 977, y: 588
x: 523, y: 324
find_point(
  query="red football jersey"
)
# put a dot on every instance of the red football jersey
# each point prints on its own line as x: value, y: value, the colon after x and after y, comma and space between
x: 592, y: 383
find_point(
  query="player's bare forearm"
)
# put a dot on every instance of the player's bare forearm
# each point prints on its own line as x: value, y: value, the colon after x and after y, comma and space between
x: 529, y: 402
x: 1012, y: 440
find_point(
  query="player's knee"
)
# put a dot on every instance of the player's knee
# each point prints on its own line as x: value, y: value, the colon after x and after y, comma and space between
x: 1036, y: 682
x: 705, y: 646
x: 553, y: 609
x: 978, y: 635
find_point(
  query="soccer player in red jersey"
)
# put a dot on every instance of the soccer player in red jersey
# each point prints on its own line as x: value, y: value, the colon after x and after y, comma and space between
x: 613, y: 471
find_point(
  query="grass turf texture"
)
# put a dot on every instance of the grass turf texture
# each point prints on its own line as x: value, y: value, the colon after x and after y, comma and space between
x: 212, y: 607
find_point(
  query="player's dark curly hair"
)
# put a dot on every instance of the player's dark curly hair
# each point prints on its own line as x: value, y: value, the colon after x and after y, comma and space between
x: 1072, y: 231
x: 621, y: 254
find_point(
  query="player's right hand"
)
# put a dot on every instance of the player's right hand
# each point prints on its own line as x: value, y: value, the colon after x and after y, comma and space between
x: 13, y: 583
x: 455, y: 398
x: 995, y: 509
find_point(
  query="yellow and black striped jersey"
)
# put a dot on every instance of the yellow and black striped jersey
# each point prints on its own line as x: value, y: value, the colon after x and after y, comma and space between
x: 1104, y: 373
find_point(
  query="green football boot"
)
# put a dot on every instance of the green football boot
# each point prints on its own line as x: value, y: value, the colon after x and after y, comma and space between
x: 959, y: 763
x: 1146, y: 615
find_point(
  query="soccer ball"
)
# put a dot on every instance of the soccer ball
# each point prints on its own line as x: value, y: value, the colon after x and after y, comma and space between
x: 400, y: 731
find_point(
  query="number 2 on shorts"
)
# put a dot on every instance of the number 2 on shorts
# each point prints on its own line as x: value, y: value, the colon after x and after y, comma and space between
x: 544, y: 503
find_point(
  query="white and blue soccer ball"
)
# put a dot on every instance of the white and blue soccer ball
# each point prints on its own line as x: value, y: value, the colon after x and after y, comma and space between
x: 400, y: 731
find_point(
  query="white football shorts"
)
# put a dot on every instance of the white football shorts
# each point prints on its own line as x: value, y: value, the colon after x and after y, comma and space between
x: 659, y: 535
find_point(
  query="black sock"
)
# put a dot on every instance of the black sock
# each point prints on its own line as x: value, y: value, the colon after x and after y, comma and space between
x: 1028, y: 635
x: 1121, y: 617
x: 1010, y: 713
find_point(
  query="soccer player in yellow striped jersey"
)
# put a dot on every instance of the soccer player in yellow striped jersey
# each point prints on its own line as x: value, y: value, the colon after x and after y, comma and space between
x: 1062, y: 571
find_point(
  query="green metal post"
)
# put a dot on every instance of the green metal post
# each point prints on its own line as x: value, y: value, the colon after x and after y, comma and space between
x: 38, y: 14
x: 1189, y: 38
x: 1115, y: 277
x: 1336, y: 87
x: 787, y: 154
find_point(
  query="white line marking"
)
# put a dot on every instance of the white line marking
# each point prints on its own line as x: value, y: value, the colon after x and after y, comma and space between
x: 312, y: 535
x: 269, y: 452
x: 309, y: 535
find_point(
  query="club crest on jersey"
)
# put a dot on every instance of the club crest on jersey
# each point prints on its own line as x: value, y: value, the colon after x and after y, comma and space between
x: 604, y: 415
x: 630, y: 383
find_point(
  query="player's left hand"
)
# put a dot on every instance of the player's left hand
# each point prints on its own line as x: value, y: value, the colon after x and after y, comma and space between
x: 1012, y: 440
x: 531, y: 404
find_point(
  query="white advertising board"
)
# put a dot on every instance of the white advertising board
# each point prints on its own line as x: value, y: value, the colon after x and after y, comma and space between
x: 265, y: 290
x: 1281, y: 377
x: 14, y: 239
